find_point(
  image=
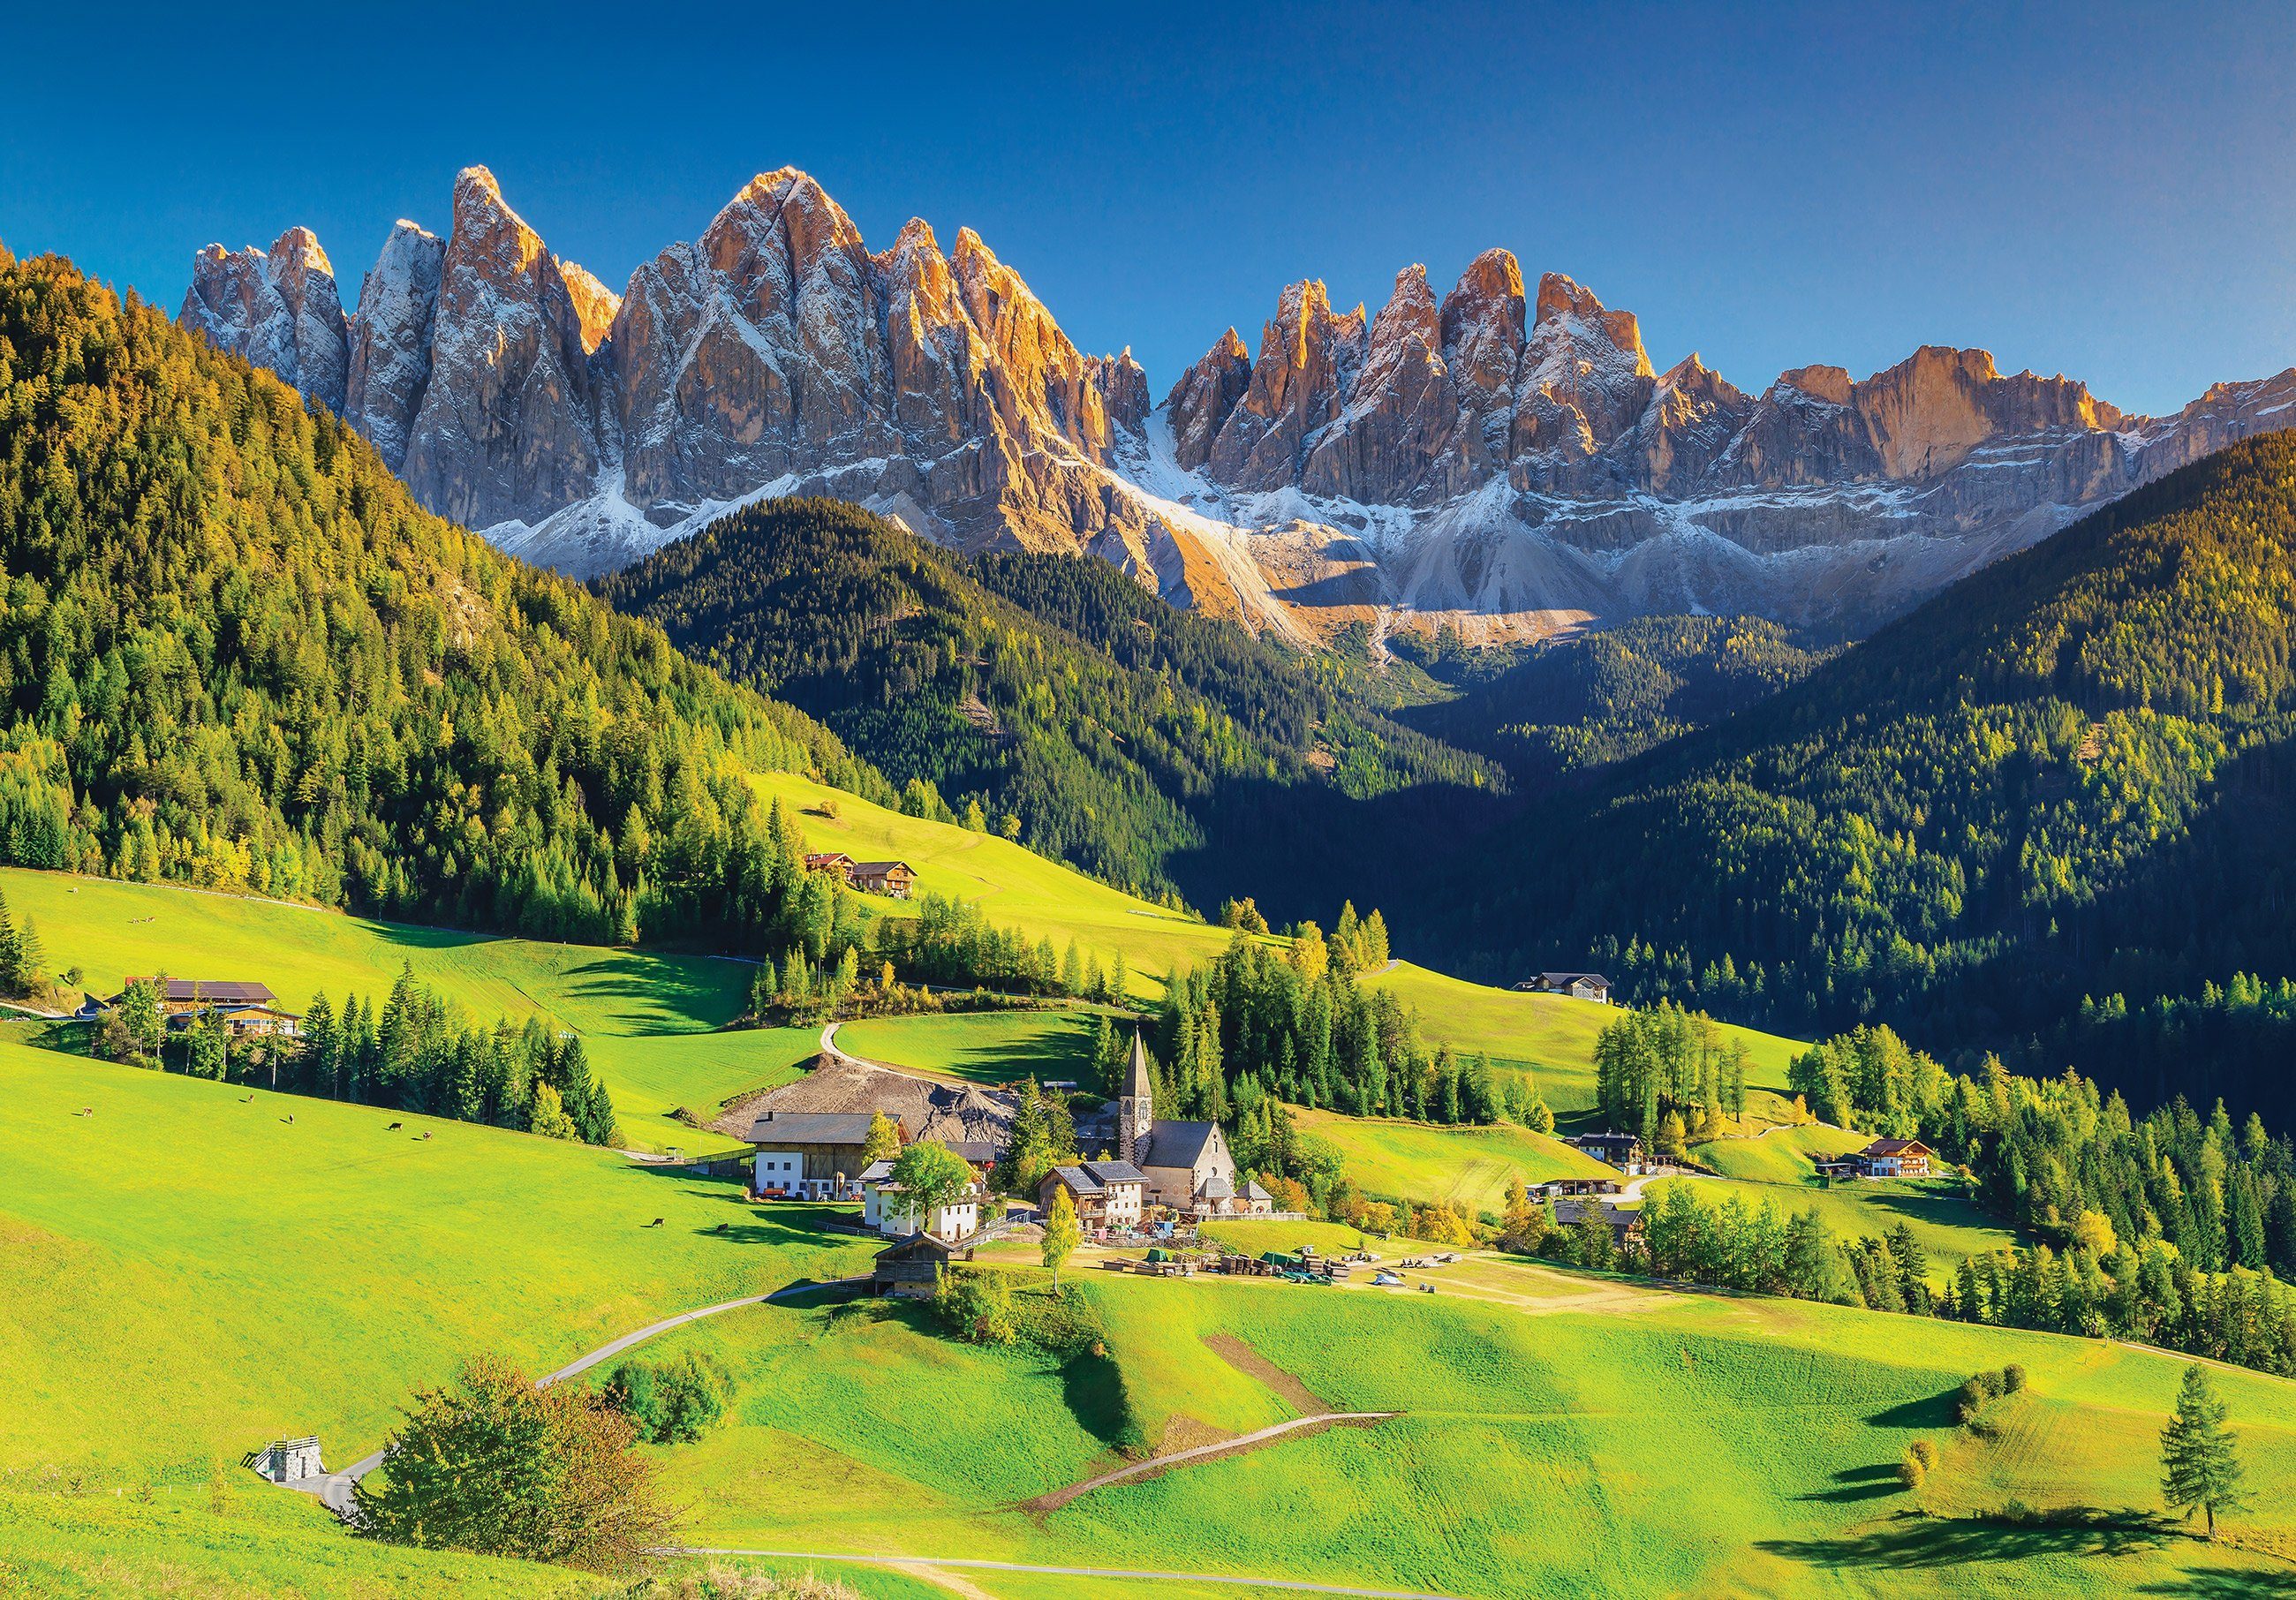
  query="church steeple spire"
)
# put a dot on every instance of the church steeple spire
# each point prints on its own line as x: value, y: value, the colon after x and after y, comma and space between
x: 1136, y: 1109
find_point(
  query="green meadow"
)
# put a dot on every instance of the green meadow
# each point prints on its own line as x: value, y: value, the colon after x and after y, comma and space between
x: 1679, y: 1444
x: 191, y: 1274
x: 1468, y: 1167
x: 653, y: 1024
x: 982, y: 1046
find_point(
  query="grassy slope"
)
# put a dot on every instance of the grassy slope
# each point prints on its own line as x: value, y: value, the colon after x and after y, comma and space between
x: 1627, y: 1440
x: 1947, y: 1225
x: 1019, y: 889
x: 187, y: 1256
x: 988, y: 1047
x: 1673, y: 1444
x: 1467, y: 1166
x: 1781, y: 1156
x: 645, y: 1020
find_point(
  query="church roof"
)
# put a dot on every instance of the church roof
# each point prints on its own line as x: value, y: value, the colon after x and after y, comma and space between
x: 1176, y: 1143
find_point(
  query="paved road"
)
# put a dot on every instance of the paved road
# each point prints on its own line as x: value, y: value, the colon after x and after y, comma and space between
x: 1221, y: 1579
x: 334, y: 1489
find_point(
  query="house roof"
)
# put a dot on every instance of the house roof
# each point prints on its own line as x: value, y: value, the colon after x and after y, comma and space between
x: 1567, y: 978
x: 876, y: 1172
x: 878, y: 869
x: 810, y: 1127
x: 1879, y: 1147
x: 1216, y: 1186
x: 1091, y: 1178
x: 828, y: 858
x: 968, y: 1119
x: 1178, y: 1143
x: 217, y: 990
x: 1252, y: 1191
x: 916, y: 1246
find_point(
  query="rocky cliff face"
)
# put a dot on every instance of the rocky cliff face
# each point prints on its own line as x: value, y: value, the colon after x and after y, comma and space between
x: 278, y: 310
x: 1502, y: 460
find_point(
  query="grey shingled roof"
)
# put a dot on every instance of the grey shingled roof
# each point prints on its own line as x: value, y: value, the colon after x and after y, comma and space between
x: 810, y: 1127
x: 1178, y: 1143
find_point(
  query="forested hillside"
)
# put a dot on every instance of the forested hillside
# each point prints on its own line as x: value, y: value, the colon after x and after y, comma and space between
x: 1059, y: 702
x: 2068, y: 778
x: 234, y: 653
x: 1590, y: 699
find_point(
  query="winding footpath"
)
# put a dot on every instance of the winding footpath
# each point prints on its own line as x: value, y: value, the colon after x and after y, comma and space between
x: 334, y: 1489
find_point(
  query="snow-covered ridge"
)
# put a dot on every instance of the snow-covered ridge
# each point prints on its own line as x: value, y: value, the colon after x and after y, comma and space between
x: 1505, y: 460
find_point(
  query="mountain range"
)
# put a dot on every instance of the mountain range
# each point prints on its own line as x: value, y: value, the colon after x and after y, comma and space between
x: 1503, y: 461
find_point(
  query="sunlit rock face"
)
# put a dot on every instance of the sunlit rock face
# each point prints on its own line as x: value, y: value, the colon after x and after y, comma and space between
x: 278, y: 310
x: 1501, y: 459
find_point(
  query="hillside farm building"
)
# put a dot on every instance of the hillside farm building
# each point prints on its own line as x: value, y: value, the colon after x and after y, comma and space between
x: 886, y: 1208
x: 1895, y: 1158
x: 247, y: 1009
x: 1623, y: 1151
x: 810, y: 1155
x: 911, y: 1270
x: 893, y: 879
x: 1576, y: 986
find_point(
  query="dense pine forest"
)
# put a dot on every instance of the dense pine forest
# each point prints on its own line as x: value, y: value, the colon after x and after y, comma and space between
x: 1062, y: 703
x: 234, y: 653
x: 2048, y: 814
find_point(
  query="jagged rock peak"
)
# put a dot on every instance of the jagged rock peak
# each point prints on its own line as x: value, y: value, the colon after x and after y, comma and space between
x: 593, y: 303
x: 279, y: 310
x: 1198, y: 405
x: 391, y: 340
x: 1559, y: 299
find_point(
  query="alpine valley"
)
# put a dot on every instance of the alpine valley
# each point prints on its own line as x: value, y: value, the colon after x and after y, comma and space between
x: 1503, y: 460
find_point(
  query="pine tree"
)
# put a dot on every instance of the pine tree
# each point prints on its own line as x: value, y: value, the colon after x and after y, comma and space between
x: 2199, y: 1461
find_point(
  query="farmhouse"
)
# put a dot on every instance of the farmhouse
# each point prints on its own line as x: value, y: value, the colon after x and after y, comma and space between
x: 1105, y: 1194
x: 895, y: 879
x: 829, y: 861
x: 885, y: 1207
x: 1577, y: 985
x: 246, y: 1009
x: 1895, y: 1158
x: 911, y: 1268
x: 1623, y: 1151
x: 810, y: 1155
x: 1624, y: 1224
x: 1187, y: 1165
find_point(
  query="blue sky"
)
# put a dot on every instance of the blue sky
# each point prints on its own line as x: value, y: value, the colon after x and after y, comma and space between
x: 2105, y: 190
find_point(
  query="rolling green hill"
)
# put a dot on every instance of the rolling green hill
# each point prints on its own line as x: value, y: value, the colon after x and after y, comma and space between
x: 651, y: 1023
x: 245, y: 1277
x: 2067, y: 777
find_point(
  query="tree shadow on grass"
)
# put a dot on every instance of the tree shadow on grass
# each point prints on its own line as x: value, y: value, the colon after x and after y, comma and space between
x: 1859, y: 1483
x: 1912, y: 1540
x: 1935, y: 1411
x: 2248, y: 1583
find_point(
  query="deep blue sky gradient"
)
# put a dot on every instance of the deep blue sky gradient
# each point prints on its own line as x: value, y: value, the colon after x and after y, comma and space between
x: 2102, y: 190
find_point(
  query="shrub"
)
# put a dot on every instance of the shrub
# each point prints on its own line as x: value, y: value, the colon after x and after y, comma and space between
x: 977, y: 1304
x: 1910, y: 1468
x: 673, y: 1402
x: 1924, y: 1452
x: 2012, y: 1378
x: 496, y: 1466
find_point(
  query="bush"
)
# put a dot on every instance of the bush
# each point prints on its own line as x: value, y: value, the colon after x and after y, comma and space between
x: 976, y: 1304
x: 1924, y: 1452
x: 673, y: 1402
x: 496, y: 1466
x: 2012, y: 1378
x: 1910, y: 1468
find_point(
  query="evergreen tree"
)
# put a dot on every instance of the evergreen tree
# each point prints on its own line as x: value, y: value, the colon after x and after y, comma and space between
x: 2200, y: 1460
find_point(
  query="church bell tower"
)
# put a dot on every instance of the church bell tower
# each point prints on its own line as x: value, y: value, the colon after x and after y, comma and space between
x: 1135, y: 1110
